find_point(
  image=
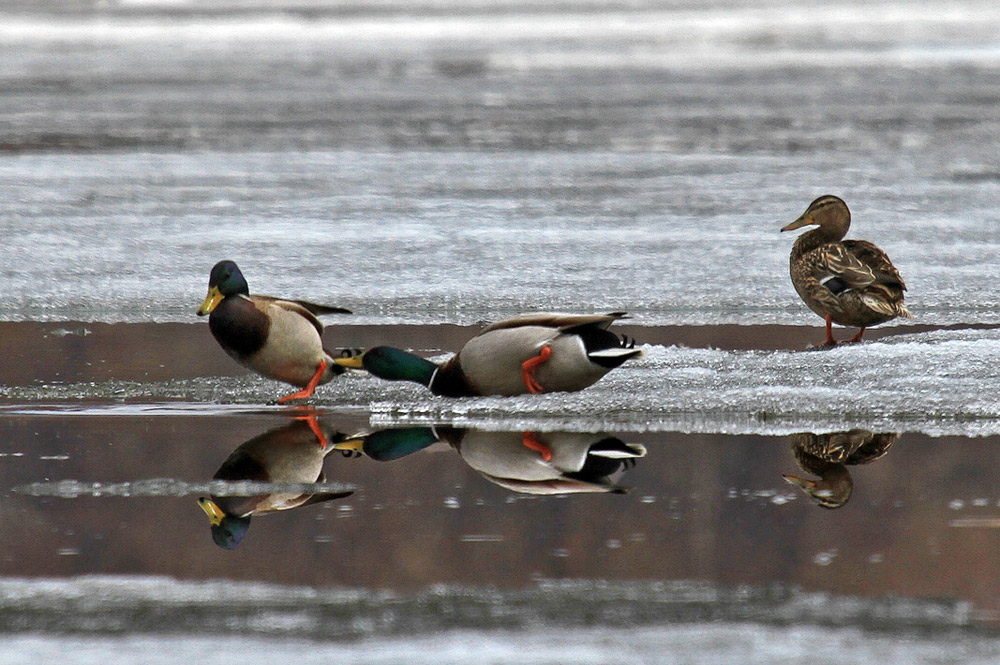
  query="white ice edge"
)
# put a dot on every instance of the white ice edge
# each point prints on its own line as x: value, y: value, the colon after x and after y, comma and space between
x: 938, y: 383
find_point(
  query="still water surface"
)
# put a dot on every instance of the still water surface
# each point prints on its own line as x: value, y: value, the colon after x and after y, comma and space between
x: 913, y: 517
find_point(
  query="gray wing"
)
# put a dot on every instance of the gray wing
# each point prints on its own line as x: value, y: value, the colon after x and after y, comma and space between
x: 555, y: 320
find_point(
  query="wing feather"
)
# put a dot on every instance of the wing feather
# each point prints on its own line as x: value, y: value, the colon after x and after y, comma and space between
x: 555, y: 320
x: 294, y: 306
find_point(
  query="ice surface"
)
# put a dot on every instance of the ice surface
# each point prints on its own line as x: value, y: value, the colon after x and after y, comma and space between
x: 939, y: 383
x: 685, y: 644
x: 71, y: 489
x: 460, y: 237
x: 461, y: 161
x: 101, y: 604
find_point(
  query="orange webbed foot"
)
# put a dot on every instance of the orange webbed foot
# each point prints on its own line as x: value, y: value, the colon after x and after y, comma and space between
x: 528, y: 368
x: 310, y: 387
x: 531, y: 442
x: 316, y: 430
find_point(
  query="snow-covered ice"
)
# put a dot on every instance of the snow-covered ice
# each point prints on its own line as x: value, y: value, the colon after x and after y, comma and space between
x: 939, y: 383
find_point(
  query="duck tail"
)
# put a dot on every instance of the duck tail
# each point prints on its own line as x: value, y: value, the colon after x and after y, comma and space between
x: 614, y: 356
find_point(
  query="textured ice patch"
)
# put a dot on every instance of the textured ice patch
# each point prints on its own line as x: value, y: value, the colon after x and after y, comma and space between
x: 938, y: 383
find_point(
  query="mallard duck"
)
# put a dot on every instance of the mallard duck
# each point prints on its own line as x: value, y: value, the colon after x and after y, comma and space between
x: 525, y: 462
x: 848, y: 282
x: 279, y: 339
x: 829, y: 455
x: 290, y: 454
x: 547, y: 463
x: 530, y: 353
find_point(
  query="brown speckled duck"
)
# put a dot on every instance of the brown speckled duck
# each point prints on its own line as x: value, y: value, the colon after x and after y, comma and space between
x: 847, y: 282
x: 829, y: 455
x: 279, y: 339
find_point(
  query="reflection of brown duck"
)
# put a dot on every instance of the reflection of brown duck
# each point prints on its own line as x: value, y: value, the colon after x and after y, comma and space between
x: 526, y: 462
x: 848, y: 282
x: 293, y: 453
x: 829, y: 455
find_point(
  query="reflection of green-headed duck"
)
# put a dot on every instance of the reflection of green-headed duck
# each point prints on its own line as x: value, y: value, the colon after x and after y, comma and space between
x: 530, y: 353
x: 848, y: 282
x: 293, y: 453
x: 829, y: 455
x: 280, y: 339
x: 526, y: 462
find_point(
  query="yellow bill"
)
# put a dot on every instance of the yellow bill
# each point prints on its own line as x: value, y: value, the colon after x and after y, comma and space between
x: 212, y: 301
x: 215, y: 514
x: 354, y: 362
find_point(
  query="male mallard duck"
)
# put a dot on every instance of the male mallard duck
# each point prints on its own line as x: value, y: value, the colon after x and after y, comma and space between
x: 525, y: 462
x: 848, y: 282
x: 547, y: 463
x: 530, y: 353
x: 280, y: 339
x: 829, y: 455
x: 291, y: 454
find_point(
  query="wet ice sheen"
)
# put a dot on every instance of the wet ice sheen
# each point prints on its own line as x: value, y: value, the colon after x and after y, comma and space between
x: 464, y: 237
x: 434, y: 163
x: 704, y: 644
x: 938, y: 383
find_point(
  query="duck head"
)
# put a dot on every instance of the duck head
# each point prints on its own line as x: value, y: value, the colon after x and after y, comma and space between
x: 832, y: 490
x: 225, y: 280
x: 227, y: 530
x: 392, y: 364
x: 829, y: 212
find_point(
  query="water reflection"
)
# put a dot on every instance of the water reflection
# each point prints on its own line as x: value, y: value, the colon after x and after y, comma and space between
x: 828, y: 456
x: 525, y: 462
x: 293, y: 453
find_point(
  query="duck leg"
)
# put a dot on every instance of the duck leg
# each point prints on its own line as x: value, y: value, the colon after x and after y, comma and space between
x: 314, y: 426
x: 531, y: 442
x: 830, y: 341
x: 857, y: 338
x: 310, y: 387
x: 528, y: 370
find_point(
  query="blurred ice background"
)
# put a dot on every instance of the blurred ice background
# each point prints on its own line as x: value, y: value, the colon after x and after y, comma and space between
x: 462, y: 160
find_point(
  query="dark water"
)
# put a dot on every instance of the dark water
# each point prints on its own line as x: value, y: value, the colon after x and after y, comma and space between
x: 116, y: 495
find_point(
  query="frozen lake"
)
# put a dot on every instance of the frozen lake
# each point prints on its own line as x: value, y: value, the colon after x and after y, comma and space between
x: 454, y: 161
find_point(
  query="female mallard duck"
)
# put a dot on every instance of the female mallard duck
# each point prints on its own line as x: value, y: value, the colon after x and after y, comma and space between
x: 280, y: 339
x: 829, y: 455
x: 530, y: 353
x: 848, y: 282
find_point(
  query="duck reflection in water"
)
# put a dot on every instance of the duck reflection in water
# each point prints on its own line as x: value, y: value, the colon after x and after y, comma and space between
x: 525, y: 462
x: 829, y: 455
x: 293, y: 453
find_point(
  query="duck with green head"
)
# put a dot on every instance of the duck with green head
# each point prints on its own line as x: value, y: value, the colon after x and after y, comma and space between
x: 289, y: 455
x: 530, y: 353
x: 848, y: 282
x: 277, y: 338
x: 542, y: 463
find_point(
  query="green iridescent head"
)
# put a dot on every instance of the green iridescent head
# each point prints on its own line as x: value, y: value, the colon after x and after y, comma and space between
x: 225, y: 280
